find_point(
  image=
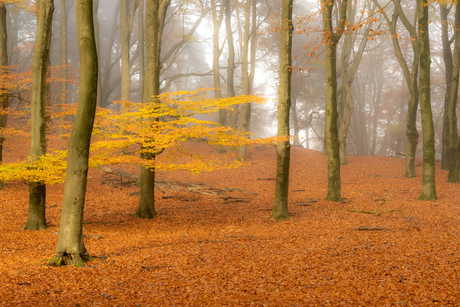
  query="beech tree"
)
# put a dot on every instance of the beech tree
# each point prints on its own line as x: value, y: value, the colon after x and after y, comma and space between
x: 37, y: 190
x: 70, y: 248
x: 428, y: 176
x: 283, y: 149
x: 154, y: 21
x: 3, y: 74
x: 331, y: 39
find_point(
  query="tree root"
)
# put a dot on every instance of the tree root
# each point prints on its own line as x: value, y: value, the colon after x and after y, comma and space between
x: 77, y: 260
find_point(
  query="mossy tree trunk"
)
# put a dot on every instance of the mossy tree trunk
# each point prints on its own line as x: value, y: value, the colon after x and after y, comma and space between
x: 70, y: 248
x: 3, y: 73
x: 448, y: 64
x: 454, y: 141
x: 37, y: 190
x: 154, y: 24
x: 428, y: 176
x: 331, y: 39
x: 283, y: 149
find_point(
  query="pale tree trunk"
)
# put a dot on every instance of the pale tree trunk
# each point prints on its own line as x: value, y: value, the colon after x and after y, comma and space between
x: 348, y: 72
x: 448, y: 64
x: 428, y: 177
x: 70, y: 248
x: 332, y: 138
x: 154, y: 24
x: 3, y: 73
x: 216, y: 52
x: 124, y: 41
x: 283, y: 149
x: 141, y: 46
x: 411, y: 81
x: 454, y: 141
x: 245, y: 113
x: 233, y: 115
x: 63, y: 50
x: 37, y: 190
x: 12, y: 21
x: 97, y: 35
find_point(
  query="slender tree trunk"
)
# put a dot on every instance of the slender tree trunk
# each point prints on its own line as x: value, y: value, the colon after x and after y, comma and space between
x: 3, y: 74
x: 428, y: 177
x: 37, y: 190
x: 63, y: 50
x: 141, y: 46
x: 448, y: 64
x: 216, y: 22
x: 283, y: 149
x: 454, y: 141
x: 97, y: 34
x: 332, y: 138
x: 245, y: 113
x: 124, y: 41
x: 233, y: 115
x: 154, y: 23
x: 70, y: 248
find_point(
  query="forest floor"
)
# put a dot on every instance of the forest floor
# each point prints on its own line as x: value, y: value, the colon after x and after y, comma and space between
x: 213, y: 243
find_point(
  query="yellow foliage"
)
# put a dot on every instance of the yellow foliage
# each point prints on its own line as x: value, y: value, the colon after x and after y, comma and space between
x: 166, y: 122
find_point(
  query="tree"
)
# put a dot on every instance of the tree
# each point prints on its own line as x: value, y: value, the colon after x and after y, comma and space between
x: 283, y: 149
x: 331, y: 39
x: 3, y: 74
x: 37, y: 190
x: 454, y: 141
x: 428, y: 176
x: 70, y: 248
x: 154, y: 21
x: 411, y: 80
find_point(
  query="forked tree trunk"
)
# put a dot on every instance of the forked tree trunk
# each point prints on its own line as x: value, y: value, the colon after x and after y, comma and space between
x: 283, y: 149
x: 428, y: 177
x: 37, y: 190
x: 70, y: 248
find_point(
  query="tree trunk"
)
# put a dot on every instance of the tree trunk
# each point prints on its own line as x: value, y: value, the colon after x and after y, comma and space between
x: 245, y: 113
x: 141, y: 46
x: 283, y: 149
x: 124, y: 41
x: 97, y: 35
x: 331, y: 130
x: 63, y: 50
x: 154, y: 23
x: 232, y: 121
x: 3, y: 73
x: 216, y: 22
x: 453, y: 176
x: 428, y: 177
x: 37, y: 190
x: 448, y: 64
x: 70, y: 248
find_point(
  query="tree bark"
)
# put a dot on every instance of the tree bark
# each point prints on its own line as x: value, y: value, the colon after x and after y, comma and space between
x: 233, y: 114
x: 154, y: 23
x: 283, y: 149
x: 216, y: 22
x: 70, y: 248
x: 245, y: 113
x: 332, y: 139
x: 141, y: 46
x: 37, y: 190
x: 124, y: 41
x: 448, y: 64
x: 454, y: 141
x: 428, y: 177
x: 3, y: 74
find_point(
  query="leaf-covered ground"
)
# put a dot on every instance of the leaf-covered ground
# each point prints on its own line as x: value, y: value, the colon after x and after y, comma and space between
x: 213, y: 243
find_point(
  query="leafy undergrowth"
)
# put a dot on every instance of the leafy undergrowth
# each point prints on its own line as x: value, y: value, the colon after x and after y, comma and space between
x: 213, y: 243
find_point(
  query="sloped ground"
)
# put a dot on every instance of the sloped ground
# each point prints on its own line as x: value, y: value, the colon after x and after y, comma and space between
x: 213, y: 243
